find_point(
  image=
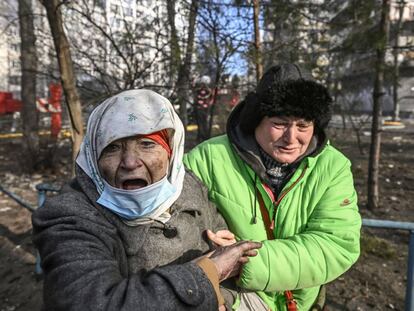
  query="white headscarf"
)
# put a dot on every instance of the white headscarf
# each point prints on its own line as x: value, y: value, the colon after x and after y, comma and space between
x: 127, y: 114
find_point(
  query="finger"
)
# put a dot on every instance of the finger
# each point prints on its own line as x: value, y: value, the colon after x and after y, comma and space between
x: 220, y: 238
x: 250, y: 253
x: 225, y: 234
x: 243, y: 260
x: 225, y: 242
x: 248, y: 245
x: 211, y: 235
x: 214, y: 238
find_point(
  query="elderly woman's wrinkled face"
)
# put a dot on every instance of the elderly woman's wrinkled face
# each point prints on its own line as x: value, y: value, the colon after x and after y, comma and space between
x: 133, y: 162
x: 285, y: 139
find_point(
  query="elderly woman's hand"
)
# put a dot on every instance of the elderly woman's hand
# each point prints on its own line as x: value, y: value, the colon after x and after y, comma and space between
x: 221, y: 238
x: 230, y: 259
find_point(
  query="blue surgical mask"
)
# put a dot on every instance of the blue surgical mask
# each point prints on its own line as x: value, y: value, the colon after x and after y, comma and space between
x: 133, y: 204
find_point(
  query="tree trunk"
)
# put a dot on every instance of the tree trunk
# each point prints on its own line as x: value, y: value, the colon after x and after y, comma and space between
x: 175, y: 59
x: 257, y: 44
x: 183, y: 81
x: 67, y: 76
x: 378, y: 93
x: 30, y: 116
x: 396, y: 110
x: 215, y: 91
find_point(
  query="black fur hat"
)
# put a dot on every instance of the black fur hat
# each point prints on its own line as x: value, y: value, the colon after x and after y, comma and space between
x: 286, y: 90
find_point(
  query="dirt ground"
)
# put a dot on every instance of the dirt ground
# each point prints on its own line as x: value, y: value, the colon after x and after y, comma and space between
x: 376, y: 282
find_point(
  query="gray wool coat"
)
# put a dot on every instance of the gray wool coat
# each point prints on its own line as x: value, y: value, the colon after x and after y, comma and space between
x: 92, y: 260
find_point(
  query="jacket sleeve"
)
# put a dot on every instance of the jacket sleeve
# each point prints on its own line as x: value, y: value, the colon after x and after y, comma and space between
x: 85, y: 267
x: 213, y: 219
x: 326, y: 248
x: 198, y: 161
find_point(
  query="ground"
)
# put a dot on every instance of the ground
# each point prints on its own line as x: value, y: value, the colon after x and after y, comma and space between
x: 376, y: 282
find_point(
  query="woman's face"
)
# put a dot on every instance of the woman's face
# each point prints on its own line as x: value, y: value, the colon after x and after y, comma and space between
x: 285, y: 139
x: 133, y: 162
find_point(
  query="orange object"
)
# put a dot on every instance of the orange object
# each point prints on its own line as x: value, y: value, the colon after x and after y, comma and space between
x: 55, y: 108
x: 55, y: 124
x: 161, y: 137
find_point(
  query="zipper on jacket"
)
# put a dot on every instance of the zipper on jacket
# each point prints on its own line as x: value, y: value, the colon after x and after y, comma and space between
x: 282, y: 195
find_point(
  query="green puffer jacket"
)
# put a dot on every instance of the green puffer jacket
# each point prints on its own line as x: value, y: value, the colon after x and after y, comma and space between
x: 317, y: 224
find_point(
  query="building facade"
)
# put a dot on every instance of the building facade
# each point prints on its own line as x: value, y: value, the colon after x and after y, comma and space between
x: 355, y: 56
x: 114, y: 45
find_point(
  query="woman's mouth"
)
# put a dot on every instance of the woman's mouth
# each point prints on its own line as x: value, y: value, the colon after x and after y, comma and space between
x: 286, y: 149
x: 132, y: 184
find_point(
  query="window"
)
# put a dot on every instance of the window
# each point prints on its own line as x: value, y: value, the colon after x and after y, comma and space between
x: 15, y: 80
x: 15, y: 64
x: 114, y: 8
x: 13, y: 31
x: 100, y: 3
x: 411, y: 9
x: 118, y: 23
x: 128, y: 11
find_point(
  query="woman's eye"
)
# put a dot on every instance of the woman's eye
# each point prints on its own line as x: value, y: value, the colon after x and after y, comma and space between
x: 111, y: 148
x: 147, y: 144
x: 279, y: 125
x: 304, y: 126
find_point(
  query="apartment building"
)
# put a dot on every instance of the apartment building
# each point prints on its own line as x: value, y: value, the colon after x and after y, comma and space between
x: 334, y: 40
x: 9, y: 49
x: 114, y: 44
x: 355, y: 57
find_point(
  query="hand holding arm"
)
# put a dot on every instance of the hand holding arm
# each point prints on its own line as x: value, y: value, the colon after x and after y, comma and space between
x: 229, y: 259
x: 221, y: 238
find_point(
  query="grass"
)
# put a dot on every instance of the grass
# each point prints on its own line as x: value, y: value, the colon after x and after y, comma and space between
x: 377, y: 246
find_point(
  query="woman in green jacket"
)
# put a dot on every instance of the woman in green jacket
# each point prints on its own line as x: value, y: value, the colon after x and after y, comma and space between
x: 275, y: 178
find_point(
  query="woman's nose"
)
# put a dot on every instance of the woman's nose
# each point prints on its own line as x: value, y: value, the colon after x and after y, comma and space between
x: 130, y: 159
x: 290, y: 134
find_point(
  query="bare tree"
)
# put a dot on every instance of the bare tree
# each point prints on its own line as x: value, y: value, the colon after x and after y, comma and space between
x: 223, y: 34
x: 294, y: 31
x: 378, y: 94
x: 30, y: 117
x: 174, y: 40
x: 351, y: 110
x: 396, y: 51
x: 122, y: 51
x: 183, y: 80
x: 54, y: 16
x: 257, y: 44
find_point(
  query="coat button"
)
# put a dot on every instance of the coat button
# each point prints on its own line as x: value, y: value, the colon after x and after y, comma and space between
x: 170, y: 232
x: 189, y: 292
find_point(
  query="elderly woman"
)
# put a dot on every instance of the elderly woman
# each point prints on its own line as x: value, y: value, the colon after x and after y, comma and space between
x: 132, y: 209
x: 276, y: 178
